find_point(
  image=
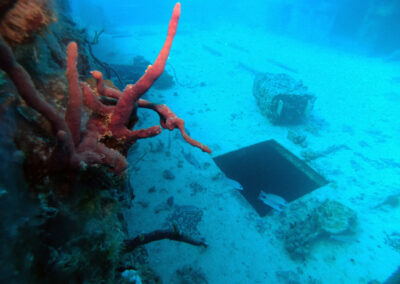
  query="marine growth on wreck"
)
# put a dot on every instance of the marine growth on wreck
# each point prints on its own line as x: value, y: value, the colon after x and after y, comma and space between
x: 207, y: 141
x: 75, y: 173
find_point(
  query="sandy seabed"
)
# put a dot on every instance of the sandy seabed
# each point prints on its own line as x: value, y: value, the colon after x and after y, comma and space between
x: 358, y: 102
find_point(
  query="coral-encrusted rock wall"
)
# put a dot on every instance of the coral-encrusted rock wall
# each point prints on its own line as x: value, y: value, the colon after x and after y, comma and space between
x: 15, y: 206
x: 43, y: 53
x: 54, y: 229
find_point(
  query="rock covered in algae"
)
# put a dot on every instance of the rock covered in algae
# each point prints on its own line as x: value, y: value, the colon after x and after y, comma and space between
x: 335, y: 218
x: 329, y: 220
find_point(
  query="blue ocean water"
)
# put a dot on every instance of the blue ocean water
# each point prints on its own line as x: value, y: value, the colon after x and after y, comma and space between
x: 298, y: 103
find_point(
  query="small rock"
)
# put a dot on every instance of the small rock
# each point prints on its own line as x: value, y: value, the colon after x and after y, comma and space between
x: 3, y: 192
x: 167, y: 174
x: 144, y: 204
x: 296, y: 138
x: 131, y: 276
x: 170, y: 201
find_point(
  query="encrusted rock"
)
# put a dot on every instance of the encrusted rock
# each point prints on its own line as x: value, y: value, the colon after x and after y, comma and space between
x: 281, y: 98
x: 330, y: 219
x: 335, y: 218
x: 186, y: 218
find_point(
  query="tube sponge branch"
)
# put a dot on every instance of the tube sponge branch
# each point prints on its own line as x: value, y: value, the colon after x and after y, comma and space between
x: 115, y: 123
x: 132, y: 93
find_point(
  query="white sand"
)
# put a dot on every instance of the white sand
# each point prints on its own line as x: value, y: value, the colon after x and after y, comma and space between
x: 357, y: 105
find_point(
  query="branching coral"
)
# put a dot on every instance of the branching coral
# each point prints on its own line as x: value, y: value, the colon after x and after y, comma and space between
x: 109, y: 126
